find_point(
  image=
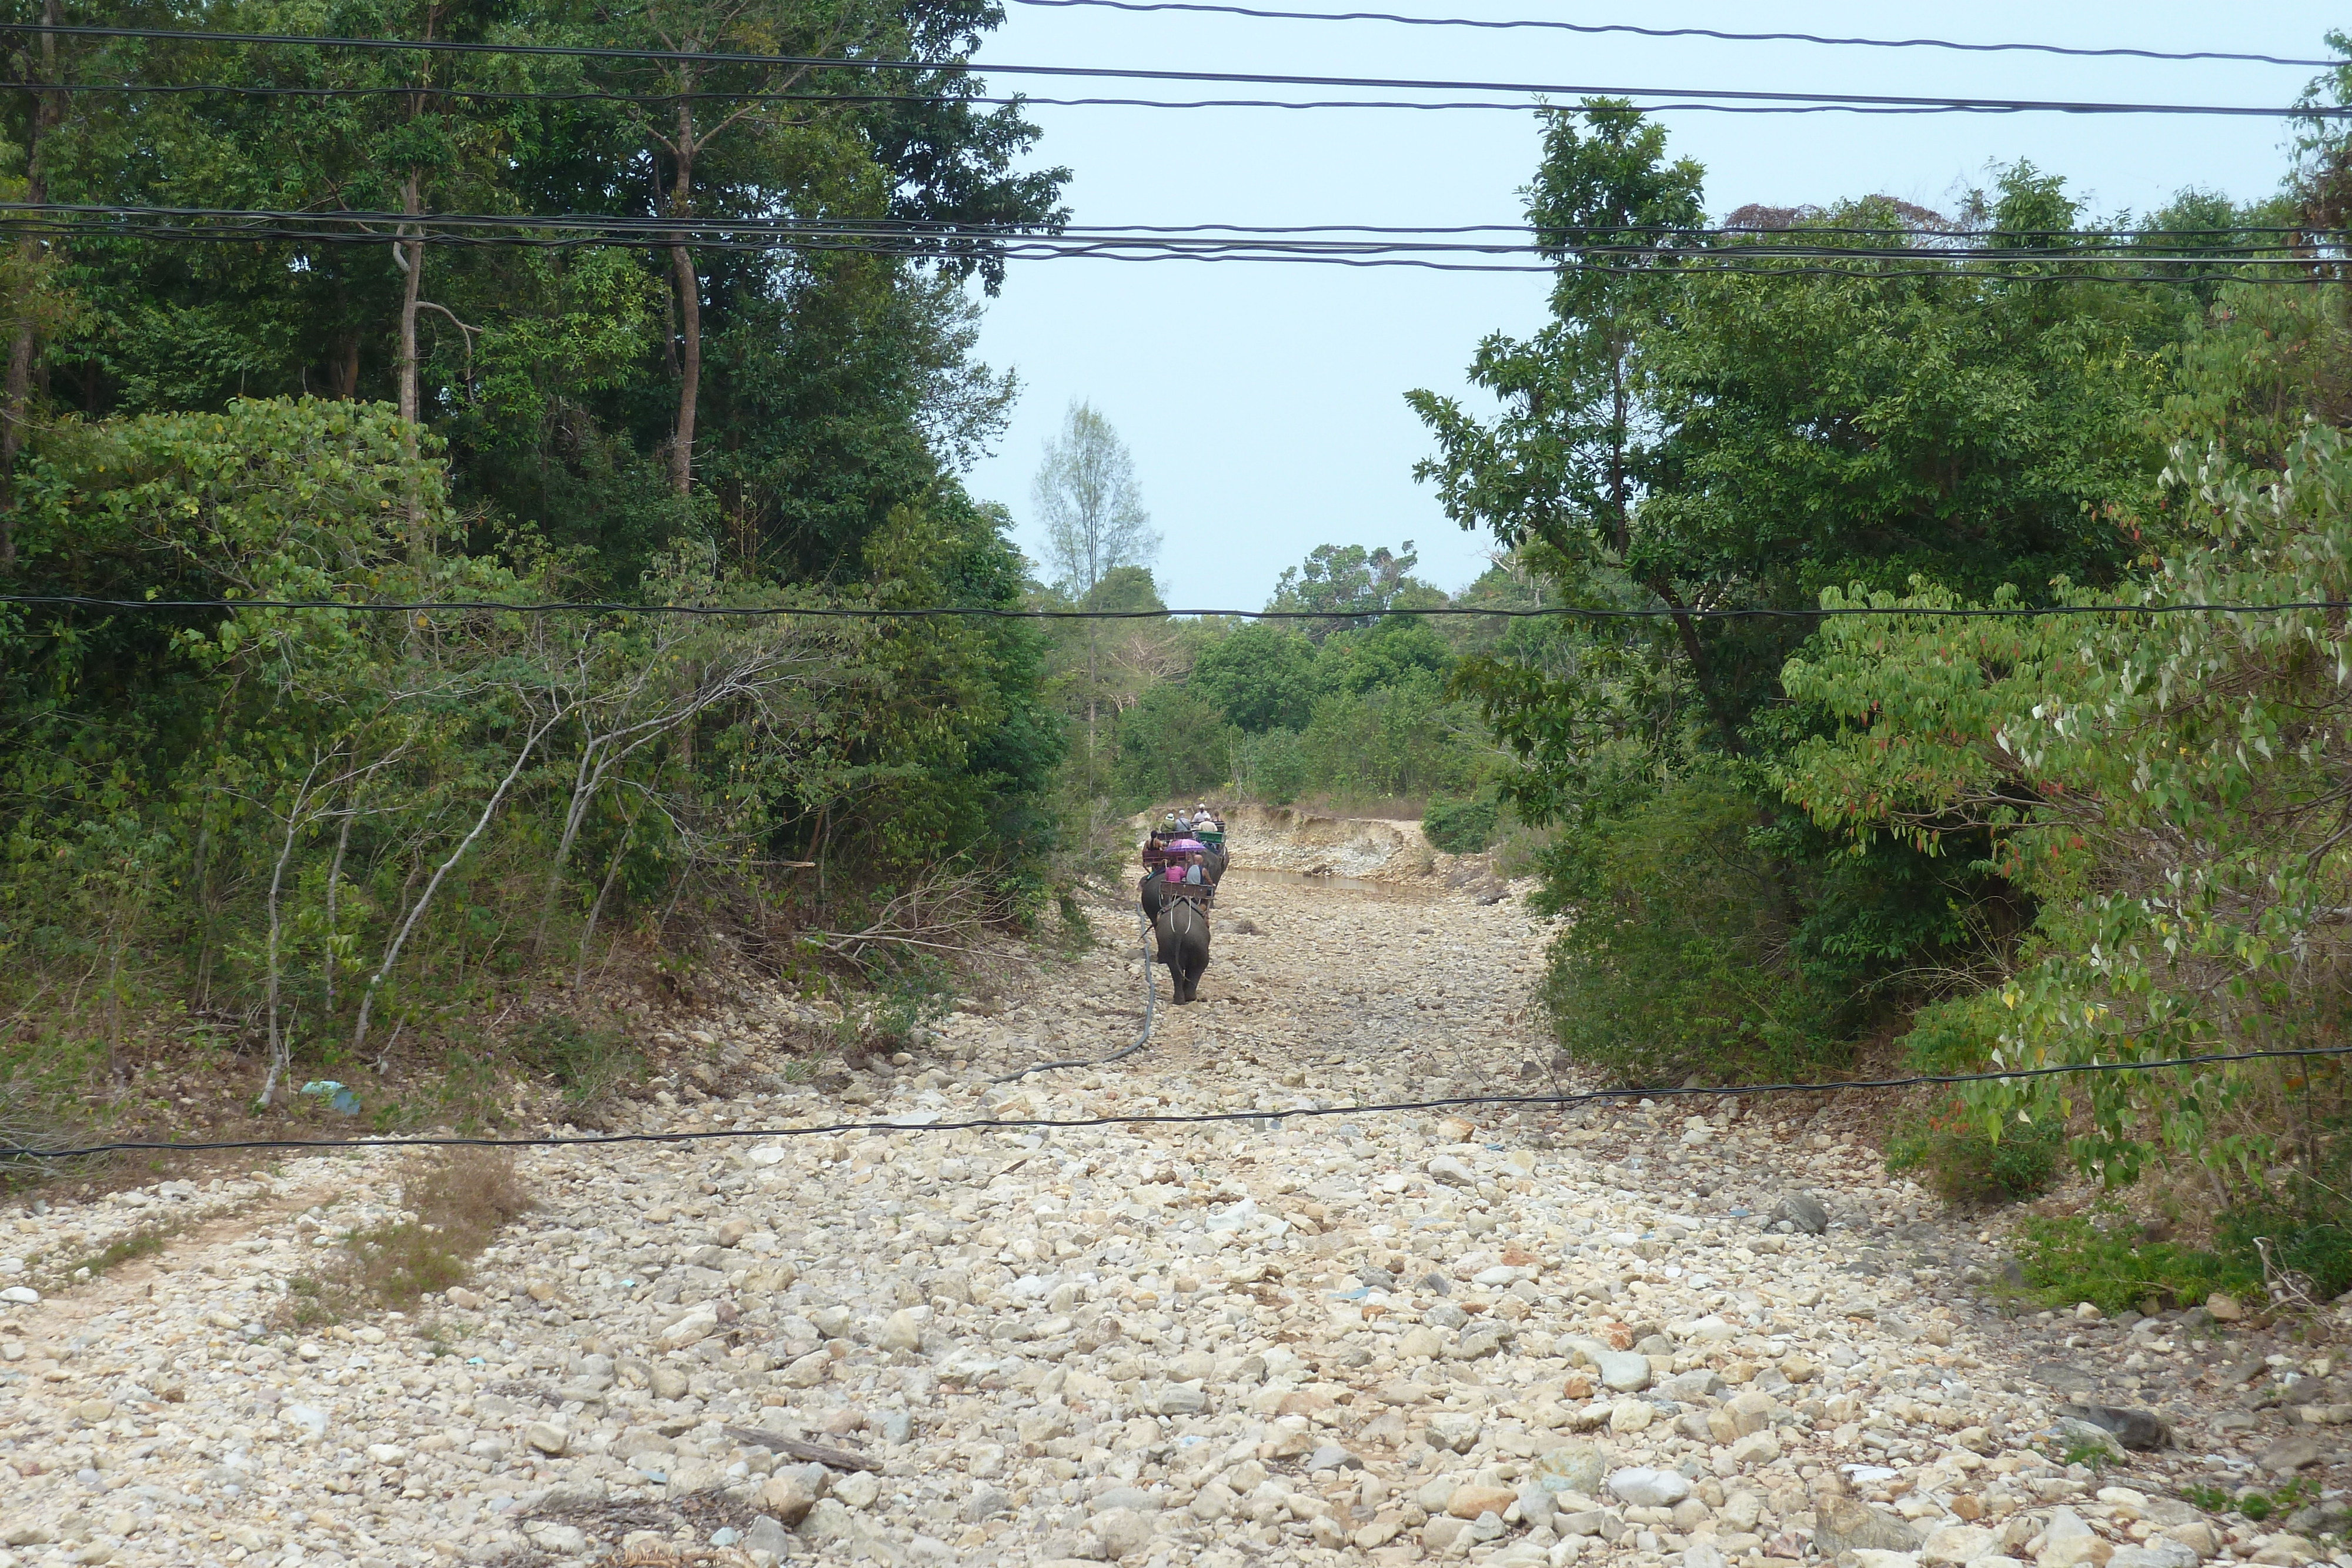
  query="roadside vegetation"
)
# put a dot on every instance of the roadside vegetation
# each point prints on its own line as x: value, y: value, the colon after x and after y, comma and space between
x: 1953, y: 844
x: 245, y: 850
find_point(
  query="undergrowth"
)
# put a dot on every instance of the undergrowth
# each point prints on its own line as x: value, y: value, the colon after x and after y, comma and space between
x: 459, y: 1201
x: 2103, y: 1260
x: 1965, y: 1163
x: 144, y: 1243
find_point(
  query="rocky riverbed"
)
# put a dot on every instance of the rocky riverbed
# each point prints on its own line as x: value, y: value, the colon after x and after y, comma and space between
x: 1695, y: 1334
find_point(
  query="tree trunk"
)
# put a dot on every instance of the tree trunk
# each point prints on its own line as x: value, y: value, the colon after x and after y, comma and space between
x: 1093, y: 690
x: 413, y: 246
x: 18, y: 388
x: 689, y: 368
x: 689, y: 307
x: 1686, y: 627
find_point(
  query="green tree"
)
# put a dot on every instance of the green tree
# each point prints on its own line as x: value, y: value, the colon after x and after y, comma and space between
x: 1260, y: 676
x: 1347, y: 585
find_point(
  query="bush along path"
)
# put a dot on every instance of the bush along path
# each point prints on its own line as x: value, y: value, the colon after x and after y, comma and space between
x: 1658, y: 1335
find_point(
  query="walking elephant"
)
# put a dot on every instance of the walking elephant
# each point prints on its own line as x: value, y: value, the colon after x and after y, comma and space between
x: 1181, y: 930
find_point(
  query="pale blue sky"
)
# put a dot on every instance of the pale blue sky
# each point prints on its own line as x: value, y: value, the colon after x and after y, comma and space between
x: 1264, y: 402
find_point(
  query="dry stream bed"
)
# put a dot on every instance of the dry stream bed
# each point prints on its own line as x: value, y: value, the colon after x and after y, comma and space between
x: 1508, y: 1338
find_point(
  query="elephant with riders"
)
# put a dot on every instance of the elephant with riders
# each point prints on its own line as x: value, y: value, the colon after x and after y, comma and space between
x: 1185, y: 857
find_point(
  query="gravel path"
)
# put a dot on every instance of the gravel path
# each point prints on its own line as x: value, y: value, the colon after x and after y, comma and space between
x: 1515, y: 1339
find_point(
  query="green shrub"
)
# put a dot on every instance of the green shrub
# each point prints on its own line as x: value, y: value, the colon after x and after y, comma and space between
x: 2312, y: 1237
x: 1460, y: 827
x: 1966, y: 1164
x: 2111, y: 1265
x: 1270, y: 767
x: 1678, y: 961
x: 589, y: 1061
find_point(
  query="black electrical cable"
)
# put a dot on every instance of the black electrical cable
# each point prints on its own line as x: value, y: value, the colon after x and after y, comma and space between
x: 1696, y: 247
x: 1018, y: 100
x: 1687, y: 242
x: 1181, y: 1119
x: 994, y: 613
x: 1934, y: 103
x: 1605, y: 28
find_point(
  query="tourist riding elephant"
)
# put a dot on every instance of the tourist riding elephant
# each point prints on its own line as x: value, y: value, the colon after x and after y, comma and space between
x: 1183, y: 932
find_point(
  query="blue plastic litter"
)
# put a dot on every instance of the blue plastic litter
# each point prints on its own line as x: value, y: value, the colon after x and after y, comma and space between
x: 337, y: 1097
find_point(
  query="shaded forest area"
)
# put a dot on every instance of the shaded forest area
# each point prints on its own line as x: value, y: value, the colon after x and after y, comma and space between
x: 303, y: 844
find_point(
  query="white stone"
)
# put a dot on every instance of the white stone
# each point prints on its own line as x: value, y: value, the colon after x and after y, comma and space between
x: 1644, y: 1487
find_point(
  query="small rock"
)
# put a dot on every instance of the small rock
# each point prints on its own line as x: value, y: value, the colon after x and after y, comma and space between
x: 1452, y: 1172
x: 1844, y: 1523
x: 1331, y: 1457
x: 2291, y: 1454
x: 1756, y: 1448
x: 1804, y: 1211
x: 2156, y: 1554
x: 2224, y: 1308
x: 547, y: 1437
x: 1472, y: 1500
x: 1453, y: 1430
x: 1575, y: 1467
x: 809, y: 1371
x: 1180, y: 1399
x: 1421, y: 1340
x: 563, y: 1539
x: 858, y: 1489
x: 24, y: 1296
x: 2198, y: 1535
x: 696, y: 1325
x: 308, y: 1418
x: 2141, y: 1429
x: 667, y: 1382
x: 902, y: 1330
x: 788, y: 1495
x: 1798, y: 1369
x: 1632, y: 1415
x: 985, y: 1503
x: 1479, y: 1340
x: 1623, y: 1370
x: 1123, y: 1532
x: 1642, y: 1487
x: 1956, y: 1544
x: 827, y: 1521
x: 93, y: 1411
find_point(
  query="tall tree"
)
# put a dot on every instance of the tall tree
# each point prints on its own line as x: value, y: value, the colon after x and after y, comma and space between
x: 1095, y: 524
x: 1563, y: 464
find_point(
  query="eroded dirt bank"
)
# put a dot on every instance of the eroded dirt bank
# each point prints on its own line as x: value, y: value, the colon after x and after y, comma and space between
x: 1512, y: 1337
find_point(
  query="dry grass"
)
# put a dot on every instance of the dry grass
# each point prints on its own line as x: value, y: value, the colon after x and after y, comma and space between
x: 459, y: 1200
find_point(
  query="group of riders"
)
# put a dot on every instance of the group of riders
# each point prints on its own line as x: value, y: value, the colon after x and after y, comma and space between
x: 1183, y: 857
x: 1185, y: 853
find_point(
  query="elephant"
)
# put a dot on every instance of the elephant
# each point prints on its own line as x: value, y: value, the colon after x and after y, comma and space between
x: 1182, y: 933
x: 1153, y: 895
x: 1214, y: 863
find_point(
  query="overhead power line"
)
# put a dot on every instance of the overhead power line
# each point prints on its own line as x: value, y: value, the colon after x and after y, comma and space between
x: 1183, y: 1119
x: 1688, y: 246
x: 1656, y: 242
x: 1931, y: 103
x: 998, y: 613
x: 1017, y: 100
x: 1716, y: 35
x: 2086, y: 260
